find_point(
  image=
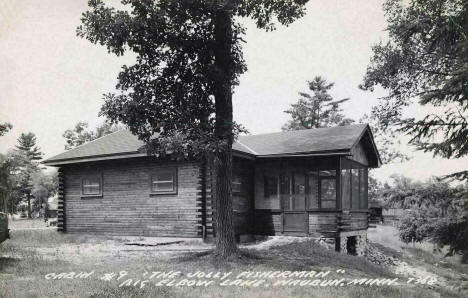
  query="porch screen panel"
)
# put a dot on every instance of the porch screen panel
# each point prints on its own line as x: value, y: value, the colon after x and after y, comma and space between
x: 363, y: 188
x: 313, y: 190
x: 355, y: 198
x: 285, y: 192
x: 299, y: 191
x: 328, y: 193
x: 346, y: 189
x: 267, y: 193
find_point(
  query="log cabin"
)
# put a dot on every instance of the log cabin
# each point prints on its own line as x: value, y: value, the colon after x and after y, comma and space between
x: 303, y: 183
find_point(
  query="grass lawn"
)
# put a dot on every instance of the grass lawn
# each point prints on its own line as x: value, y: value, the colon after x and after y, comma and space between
x: 30, y: 255
x: 24, y: 223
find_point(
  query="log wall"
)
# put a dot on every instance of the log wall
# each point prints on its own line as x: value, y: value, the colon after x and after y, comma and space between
x: 243, y: 201
x: 127, y: 206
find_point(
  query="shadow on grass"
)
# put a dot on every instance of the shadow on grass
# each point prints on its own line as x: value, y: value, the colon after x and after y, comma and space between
x: 297, y: 256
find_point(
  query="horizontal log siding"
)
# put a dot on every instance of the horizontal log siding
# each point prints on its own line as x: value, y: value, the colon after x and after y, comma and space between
x: 353, y: 221
x: 61, y: 202
x: 127, y: 207
x: 267, y: 223
x: 323, y: 223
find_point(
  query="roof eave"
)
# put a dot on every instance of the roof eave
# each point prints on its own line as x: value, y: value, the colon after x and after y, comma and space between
x: 65, y: 161
x: 341, y: 152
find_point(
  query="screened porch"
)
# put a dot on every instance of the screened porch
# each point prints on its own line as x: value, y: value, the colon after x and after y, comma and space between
x: 308, y: 193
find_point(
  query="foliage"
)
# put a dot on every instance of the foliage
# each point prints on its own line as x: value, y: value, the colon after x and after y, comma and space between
x: 409, y: 227
x: 177, y: 97
x: 28, y: 154
x: 387, y: 139
x: 4, y: 128
x: 426, y: 58
x: 44, y: 186
x: 318, y: 109
x: 170, y: 91
x: 436, y: 211
x: 374, y: 189
x: 79, y: 135
x: 10, y: 177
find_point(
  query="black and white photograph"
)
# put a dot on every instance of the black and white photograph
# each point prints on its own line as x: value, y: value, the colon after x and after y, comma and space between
x: 233, y: 148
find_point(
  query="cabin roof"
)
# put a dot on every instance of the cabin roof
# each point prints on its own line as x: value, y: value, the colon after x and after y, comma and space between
x: 321, y: 141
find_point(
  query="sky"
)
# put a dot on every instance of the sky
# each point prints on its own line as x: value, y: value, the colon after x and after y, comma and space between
x: 50, y: 79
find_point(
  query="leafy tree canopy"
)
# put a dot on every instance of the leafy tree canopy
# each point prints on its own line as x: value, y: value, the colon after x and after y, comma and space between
x: 435, y: 212
x: 45, y: 185
x: 80, y: 135
x: 425, y: 59
x: 4, y: 128
x: 168, y: 97
x: 318, y: 109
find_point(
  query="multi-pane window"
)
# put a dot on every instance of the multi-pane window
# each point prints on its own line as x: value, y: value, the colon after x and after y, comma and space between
x: 91, y: 186
x: 164, y: 181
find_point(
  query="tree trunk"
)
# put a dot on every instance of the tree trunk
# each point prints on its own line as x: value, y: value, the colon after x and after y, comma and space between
x: 225, y: 240
x: 29, y: 205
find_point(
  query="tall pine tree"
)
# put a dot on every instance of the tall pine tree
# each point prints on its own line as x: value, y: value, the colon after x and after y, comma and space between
x: 316, y: 109
x: 27, y: 147
x: 27, y: 144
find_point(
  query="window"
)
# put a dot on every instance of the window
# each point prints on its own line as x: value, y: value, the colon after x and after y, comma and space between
x: 164, y: 181
x: 91, y: 186
x: 236, y: 184
x: 270, y: 190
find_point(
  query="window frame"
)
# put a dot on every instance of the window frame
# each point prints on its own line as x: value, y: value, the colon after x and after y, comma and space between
x: 173, y: 171
x: 101, y: 186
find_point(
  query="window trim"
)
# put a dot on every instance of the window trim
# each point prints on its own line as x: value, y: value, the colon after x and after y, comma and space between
x: 174, y: 172
x: 101, y: 186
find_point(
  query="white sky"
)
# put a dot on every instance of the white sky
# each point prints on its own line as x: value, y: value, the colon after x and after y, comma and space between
x: 50, y: 79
